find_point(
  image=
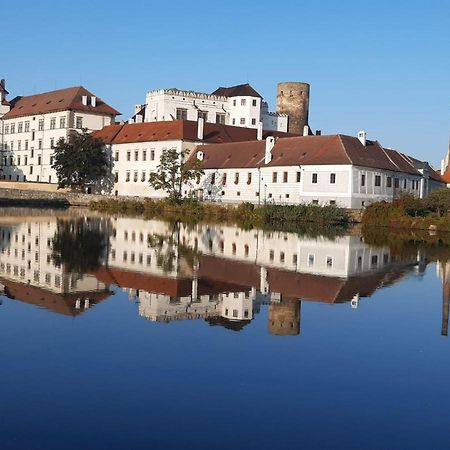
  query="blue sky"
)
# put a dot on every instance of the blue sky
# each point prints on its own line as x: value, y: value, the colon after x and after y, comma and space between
x: 380, y: 66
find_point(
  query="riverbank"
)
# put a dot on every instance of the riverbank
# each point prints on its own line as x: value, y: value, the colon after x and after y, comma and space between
x: 244, y: 214
x: 411, y: 213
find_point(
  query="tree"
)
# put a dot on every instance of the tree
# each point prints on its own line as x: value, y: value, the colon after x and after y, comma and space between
x: 172, y: 172
x: 80, y: 161
x: 439, y: 201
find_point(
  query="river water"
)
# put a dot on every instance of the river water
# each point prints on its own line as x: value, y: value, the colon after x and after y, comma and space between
x: 124, y: 333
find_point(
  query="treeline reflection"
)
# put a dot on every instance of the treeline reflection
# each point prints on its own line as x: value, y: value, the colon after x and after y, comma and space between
x: 216, y: 273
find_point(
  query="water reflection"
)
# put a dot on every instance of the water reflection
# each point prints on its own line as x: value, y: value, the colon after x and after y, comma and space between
x: 220, y: 274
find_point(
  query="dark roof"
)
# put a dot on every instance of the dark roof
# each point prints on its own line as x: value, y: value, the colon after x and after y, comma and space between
x: 59, y: 100
x: 176, y: 130
x: 305, y: 150
x: 241, y: 90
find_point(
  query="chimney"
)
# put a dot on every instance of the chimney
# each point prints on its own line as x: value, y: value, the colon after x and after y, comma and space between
x: 94, y: 101
x: 200, y: 126
x: 259, y: 131
x: 306, y: 130
x: 138, y: 118
x: 131, y: 120
x: 270, y: 143
x: 84, y: 100
x: 362, y: 137
x: 318, y: 132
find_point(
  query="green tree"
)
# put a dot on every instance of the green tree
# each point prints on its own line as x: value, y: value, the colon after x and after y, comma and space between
x: 80, y: 160
x: 439, y: 201
x: 172, y: 172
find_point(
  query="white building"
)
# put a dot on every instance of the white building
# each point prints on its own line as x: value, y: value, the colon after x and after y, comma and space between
x: 136, y: 148
x: 346, y: 171
x: 240, y: 106
x: 31, y: 125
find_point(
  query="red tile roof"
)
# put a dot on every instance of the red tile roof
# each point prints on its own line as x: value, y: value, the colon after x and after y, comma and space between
x: 176, y: 130
x: 61, y: 303
x: 305, y: 150
x: 69, y: 99
x: 446, y: 176
x: 241, y: 90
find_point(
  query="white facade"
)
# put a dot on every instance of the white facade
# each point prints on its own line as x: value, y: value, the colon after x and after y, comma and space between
x: 240, y: 111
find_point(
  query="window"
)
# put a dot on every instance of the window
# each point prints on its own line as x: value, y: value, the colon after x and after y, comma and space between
x: 136, y: 155
x: 62, y: 122
x: 181, y: 114
x: 39, y: 160
x: 298, y: 177
x: 315, y: 202
x: 310, y: 260
x: 249, y: 178
x: 389, y: 182
x: 40, y: 144
x: 152, y: 155
x: 274, y: 177
x: 234, y: 102
x: 224, y: 179
x: 20, y: 127
x: 396, y: 183
x: 6, y: 129
x: 135, y: 176
x: 32, y: 135
x: 271, y: 255
x: 52, y: 123
x: 144, y: 155
x: 213, y: 178
x: 52, y: 142
x: 220, y: 118
x: 19, y: 145
x: 27, y: 126
x: 127, y: 177
x: 404, y: 183
x: 332, y: 178
x: 242, y: 121
x: 285, y: 177
x: 128, y: 156
x: 243, y: 101
x: 236, y: 178
x: 332, y: 202
x: 234, y: 121
x: 203, y: 115
x: 377, y: 180
x: 314, y: 178
x: 26, y: 145
x: 116, y: 156
x: 363, y: 179
x: 282, y: 256
x: 374, y: 260
x: 79, y: 122
x: 116, y: 177
x: 41, y: 124
x: 254, y: 102
x: 329, y: 261
x: 253, y: 121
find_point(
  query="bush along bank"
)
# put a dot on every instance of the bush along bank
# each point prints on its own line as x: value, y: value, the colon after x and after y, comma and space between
x: 244, y: 214
x: 407, y: 211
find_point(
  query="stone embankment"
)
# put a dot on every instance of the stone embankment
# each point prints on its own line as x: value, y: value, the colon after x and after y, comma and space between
x: 33, y: 198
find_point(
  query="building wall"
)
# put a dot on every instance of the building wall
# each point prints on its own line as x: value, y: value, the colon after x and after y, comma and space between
x: 27, y: 155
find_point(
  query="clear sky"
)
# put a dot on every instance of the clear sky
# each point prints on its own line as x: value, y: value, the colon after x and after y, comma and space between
x: 382, y: 66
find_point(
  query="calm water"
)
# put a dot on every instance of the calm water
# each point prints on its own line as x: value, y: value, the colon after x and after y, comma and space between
x: 123, y: 333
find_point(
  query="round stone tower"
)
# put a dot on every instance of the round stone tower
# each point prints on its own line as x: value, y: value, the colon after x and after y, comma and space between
x: 293, y: 100
x: 284, y: 317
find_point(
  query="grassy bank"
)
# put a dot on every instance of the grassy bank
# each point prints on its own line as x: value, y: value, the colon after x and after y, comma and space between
x: 408, y: 212
x: 245, y: 214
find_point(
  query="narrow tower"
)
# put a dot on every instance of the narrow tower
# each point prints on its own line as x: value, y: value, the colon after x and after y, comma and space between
x: 293, y: 100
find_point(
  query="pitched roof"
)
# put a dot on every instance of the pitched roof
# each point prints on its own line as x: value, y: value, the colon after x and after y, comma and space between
x: 176, y: 130
x: 305, y: 150
x: 446, y: 176
x: 241, y: 90
x: 59, y: 100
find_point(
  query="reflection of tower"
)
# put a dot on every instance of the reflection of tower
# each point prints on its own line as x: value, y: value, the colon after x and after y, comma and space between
x: 445, y: 306
x: 284, y: 317
x: 293, y: 100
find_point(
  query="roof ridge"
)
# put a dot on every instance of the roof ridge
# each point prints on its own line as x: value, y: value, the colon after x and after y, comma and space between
x: 339, y: 136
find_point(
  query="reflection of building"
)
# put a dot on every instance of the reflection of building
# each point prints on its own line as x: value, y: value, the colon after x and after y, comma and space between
x: 29, y: 273
x: 444, y: 273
